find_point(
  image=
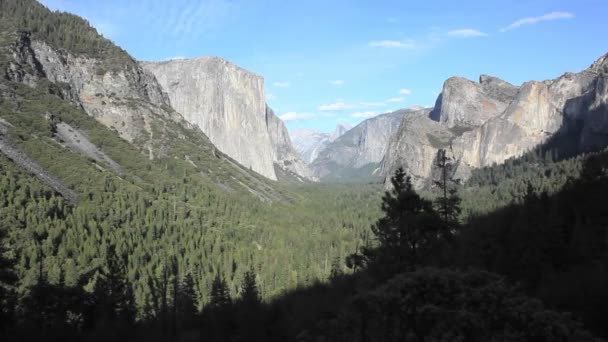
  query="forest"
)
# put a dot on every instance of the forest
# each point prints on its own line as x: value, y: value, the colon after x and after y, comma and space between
x: 188, y: 247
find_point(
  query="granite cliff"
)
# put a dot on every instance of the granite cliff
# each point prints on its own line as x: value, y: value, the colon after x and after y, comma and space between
x: 487, y: 122
x: 284, y: 155
x: 357, y: 153
x: 225, y: 101
x: 228, y: 104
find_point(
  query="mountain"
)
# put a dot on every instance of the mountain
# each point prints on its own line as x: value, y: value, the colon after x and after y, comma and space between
x: 309, y: 143
x: 284, y: 155
x: 487, y: 122
x: 225, y: 101
x: 357, y: 153
x: 94, y: 160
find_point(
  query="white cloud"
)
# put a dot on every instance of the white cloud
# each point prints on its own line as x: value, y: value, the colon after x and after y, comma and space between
x: 534, y: 20
x: 282, y: 84
x: 335, y: 106
x: 373, y: 104
x: 364, y: 115
x: 466, y: 33
x: 337, y: 82
x: 295, y: 116
x: 394, y: 44
x: 405, y: 91
x: 395, y: 99
x: 271, y: 96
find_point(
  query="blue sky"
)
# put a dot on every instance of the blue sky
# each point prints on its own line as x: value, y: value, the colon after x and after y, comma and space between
x: 328, y: 62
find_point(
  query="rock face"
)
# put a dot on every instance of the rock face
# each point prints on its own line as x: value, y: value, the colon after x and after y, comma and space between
x: 226, y: 102
x: 284, y: 155
x: 358, y: 152
x: 483, y: 123
x: 414, y: 146
x: 122, y: 96
x: 309, y: 143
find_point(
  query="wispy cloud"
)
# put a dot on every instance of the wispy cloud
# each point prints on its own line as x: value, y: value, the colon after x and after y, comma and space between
x: 395, y: 99
x: 394, y: 44
x: 295, y: 116
x: 271, y: 96
x: 337, y: 82
x: 364, y: 115
x: 283, y: 84
x: 405, y: 91
x: 534, y: 20
x: 373, y: 104
x: 466, y: 33
x: 335, y: 106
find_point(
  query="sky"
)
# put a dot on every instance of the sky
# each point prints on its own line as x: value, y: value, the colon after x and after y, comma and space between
x: 329, y: 62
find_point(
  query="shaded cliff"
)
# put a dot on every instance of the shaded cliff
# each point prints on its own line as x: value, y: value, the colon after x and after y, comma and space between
x: 285, y: 156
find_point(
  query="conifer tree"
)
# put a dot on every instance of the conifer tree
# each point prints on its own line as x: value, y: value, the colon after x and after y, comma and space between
x: 220, y: 295
x: 187, y: 303
x: 249, y: 290
x: 408, y: 227
x: 113, y: 293
x: 448, y: 202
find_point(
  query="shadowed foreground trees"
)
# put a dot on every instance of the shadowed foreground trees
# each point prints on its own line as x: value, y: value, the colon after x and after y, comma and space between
x: 408, y: 229
x: 401, y: 295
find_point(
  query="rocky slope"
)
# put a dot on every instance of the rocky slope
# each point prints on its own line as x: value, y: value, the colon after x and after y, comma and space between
x: 226, y: 102
x: 56, y: 86
x: 490, y: 121
x: 121, y: 96
x: 285, y: 156
x: 309, y: 142
x: 357, y: 153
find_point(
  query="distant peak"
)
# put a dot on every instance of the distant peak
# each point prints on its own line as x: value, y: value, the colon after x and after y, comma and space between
x: 601, y: 63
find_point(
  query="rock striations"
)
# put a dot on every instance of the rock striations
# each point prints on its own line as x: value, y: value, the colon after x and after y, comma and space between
x: 488, y: 122
x: 226, y: 102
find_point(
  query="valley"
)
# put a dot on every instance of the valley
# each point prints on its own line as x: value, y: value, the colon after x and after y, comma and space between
x: 167, y: 201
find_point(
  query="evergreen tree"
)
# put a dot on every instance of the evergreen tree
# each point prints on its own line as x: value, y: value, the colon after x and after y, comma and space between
x: 7, y: 283
x: 220, y: 295
x: 250, y: 294
x: 114, y: 299
x: 448, y: 202
x: 187, y: 303
x: 408, y: 227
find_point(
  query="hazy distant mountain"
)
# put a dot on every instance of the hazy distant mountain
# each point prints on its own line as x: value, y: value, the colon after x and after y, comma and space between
x: 357, y: 154
x: 309, y: 143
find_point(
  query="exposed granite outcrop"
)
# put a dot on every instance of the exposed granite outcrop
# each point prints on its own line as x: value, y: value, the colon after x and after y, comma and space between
x: 491, y: 121
x: 226, y: 102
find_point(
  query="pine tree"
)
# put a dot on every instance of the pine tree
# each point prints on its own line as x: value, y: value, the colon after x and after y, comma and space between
x: 7, y: 282
x: 220, y: 295
x: 249, y: 289
x: 187, y: 303
x: 448, y: 203
x: 408, y: 227
x: 113, y: 293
